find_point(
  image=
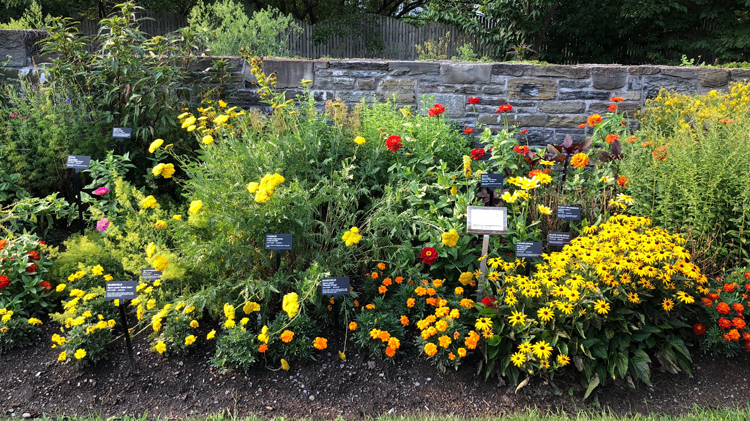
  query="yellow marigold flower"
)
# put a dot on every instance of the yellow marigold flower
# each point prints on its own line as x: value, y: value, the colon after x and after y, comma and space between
x: 189, y: 340
x: 156, y: 171
x: 220, y: 119
x: 454, y: 190
x: 160, y: 347
x: 430, y: 349
x: 60, y: 288
x: 244, y: 321
x: 251, y: 307
x: 190, y: 121
x: 253, y: 187
x: 222, y: 104
x: 63, y: 356
x: 111, y: 323
x: 148, y: 202
x: 160, y: 224
x: 445, y: 341
x: 287, y: 336
x: 156, y: 144
x: 229, y: 324
x: 161, y: 263
x: 80, y: 354
x: 194, y: 324
x: 167, y: 171
x: 285, y: 365
x: 211, y: 335
x: 35, y: 322
x: 177, y: 217
x: 450, y: 238
x: 351, y: 237
x: 466, y: 278
x: 290, y: 304
x: 207, y: 139
x: 359, y: 140
x: 150, y: 249
x: 195, y: 207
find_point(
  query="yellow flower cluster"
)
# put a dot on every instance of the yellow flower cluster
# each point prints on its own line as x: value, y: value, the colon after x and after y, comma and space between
x: 351, y: 237
x: 164, y: 170
x: 441, y: 330
x: 450, y: 238
x: 264, y: 190
x: 290, y: 304
x: 213, y: 116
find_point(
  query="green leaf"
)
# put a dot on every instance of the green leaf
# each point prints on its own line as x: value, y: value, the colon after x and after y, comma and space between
x: 593, y: 383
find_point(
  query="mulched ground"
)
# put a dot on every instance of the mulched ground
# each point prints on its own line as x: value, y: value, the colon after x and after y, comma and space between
x: 31, y: 384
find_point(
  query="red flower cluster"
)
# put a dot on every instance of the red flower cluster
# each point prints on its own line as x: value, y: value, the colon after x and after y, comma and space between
x: 468, y: 130
x: 622, y: 181
x: 723, y: 308
x: 3, y: 243
x: 428, y: 255
x: 436, y: 110
x: 477, y: 153
x: 4, y: 281
x: 489, y: 302
x: 732, y: 336
x: 521, y: 149
x: 728, y: 287
x: 612, y: 108
x: 46, y: 285
x: 503, y: 109
x: 746, y: 275
x: 393, y: 143
x: 33, y: 255
x: 699, y: 329
x: 32, y: 268
x: 474, y: 100
x: 660, y: 153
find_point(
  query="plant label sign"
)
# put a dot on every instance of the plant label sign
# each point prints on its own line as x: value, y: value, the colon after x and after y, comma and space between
x: 122, y: 290
x: 150, y: 274
x: 78, y: 162
x: 122, y: 132
x: 529, y: 249
x: 492, y: 180
x: 487, y: 220
x: 572, y: 213
x: 335, y: 286
x: 278, y: 241
x: 559, y: 238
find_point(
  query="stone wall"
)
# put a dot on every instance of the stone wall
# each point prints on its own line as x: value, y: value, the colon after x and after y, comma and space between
x: 551, y: 101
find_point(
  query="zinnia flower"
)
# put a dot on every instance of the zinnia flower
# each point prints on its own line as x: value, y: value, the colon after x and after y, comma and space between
x: 579, y: 160
x: 393, y: 143
x: 477, y: 153
x: 428, y: 255
x: 101, y: 191
x: 611, y: 138
x: 436, y: 110
x: 102, y: 225
x: 474, y: 100
x: 622, y: 181
x: 595, y: 119
x: 503, y: 109
x: 468, y: 130
x: 612, y: 108
x: 660, y: 153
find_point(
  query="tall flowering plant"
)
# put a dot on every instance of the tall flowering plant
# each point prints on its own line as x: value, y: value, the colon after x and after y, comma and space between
x: 23, y: 269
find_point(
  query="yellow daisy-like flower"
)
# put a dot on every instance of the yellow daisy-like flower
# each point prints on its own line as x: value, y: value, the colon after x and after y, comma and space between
x: 685, y: 298
x: 542, y: 350
x: 525, y: 347
x: 563, y: 360
x: 544, y: 210
x: 483, y: 324
x: 633, y: 297
x: 667, y: 304
x: 545, y: 314
x: 518, y: 359
x: 601, y: 307
x: 517, y: 317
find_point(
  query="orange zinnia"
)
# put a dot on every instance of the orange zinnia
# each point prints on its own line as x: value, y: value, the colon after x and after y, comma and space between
x: 594, y: 120
x: 611, y: 138
x: 579, y: 160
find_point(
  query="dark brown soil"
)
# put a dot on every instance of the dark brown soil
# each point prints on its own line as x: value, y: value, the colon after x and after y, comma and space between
x: 31, y: 383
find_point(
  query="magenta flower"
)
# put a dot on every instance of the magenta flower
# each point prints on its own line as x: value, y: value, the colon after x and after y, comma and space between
x: 101, y: 191
x: 13, y: 115
x: 102, y: 225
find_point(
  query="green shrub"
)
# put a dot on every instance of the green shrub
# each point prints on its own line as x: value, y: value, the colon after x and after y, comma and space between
x: 224, y: 28
x: 687, y: 171
x: 23, y: 269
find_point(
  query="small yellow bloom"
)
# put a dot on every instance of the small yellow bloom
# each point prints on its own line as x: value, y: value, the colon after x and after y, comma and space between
x: 285, y: 365
x: 80, y: 354
x: 155, y: 145
x: 63, y: 356
x: 207, y: 139
x: 211, y: 335
x: 359, y: 140
x: 194, y: 324
x: 177, y: 217
x: 195, y: 207
x: 189, y: 340
x: 160, y: 347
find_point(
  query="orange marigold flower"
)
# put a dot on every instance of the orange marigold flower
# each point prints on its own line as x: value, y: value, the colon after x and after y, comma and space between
x: 420, y: 291
x: 467, y: 303
x: 445, y: 341
x: 739, y: 308
x: 387, y: 282
x: 430, y: 349
x: 451, y: 356
x: 431, y: 292
x: 262, y: 348
x: 431, y: 301
x: 723, y: 308
x: 356, y: 303
x: 461, y: 352
x: 410, y: 302
x: 381, y: 266
x: 353, y: 326
x: 595, y: 119
x: 287, y: 336
x: 732, y: 336
x: 579, y: 160
x: 404, y: 320
x: 738, y: 323
x: 374, y: 275
x: 390, y: 352
x: 382, y: 289
x: 611, y: 138
x: 437, y: 283
x: 458, y: 291
x: 370, y: 306
x: 706, y: 302
x: 384, y: 335
x: 394, y: 343
x: 399, y: 279
x: 320, y: 343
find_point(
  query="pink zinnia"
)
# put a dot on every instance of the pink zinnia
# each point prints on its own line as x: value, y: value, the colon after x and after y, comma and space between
x: 101, y: 191
x: 102, y: 225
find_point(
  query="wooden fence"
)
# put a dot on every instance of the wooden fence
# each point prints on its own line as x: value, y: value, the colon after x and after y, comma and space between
x: 153, y: 23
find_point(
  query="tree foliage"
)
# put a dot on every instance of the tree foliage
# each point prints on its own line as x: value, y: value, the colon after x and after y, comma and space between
x: 625, y: 31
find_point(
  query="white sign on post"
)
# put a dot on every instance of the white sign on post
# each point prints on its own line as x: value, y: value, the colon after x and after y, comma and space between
x: 487, y: 220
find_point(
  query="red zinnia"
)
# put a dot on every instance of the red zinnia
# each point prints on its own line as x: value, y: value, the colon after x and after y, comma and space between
x: 4, y: 281
x: 34, y: 254
x: 436, y: 110
x: 622, y: 181
x: 468, y: 130
x: 489, y: 302
x: 582, y: 126
x: 747, y: 287
x: 738, y: 323
x: 724, y: 323
x: 699, y: 329
x: 474, y: 100
x: 521, y: 149
x: 723, y: 308
x: 616, y: 99
x: 728, y: 287
x: 46, y: 285
x: 660, y: 153
x: 32, y: 268
x: 477, y: 153
x: 393, y: 143
x: 611, y: 138
x: 428, y: 255
x: 524, y: 132
x: 503, y: 109
x: 612, y: 108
